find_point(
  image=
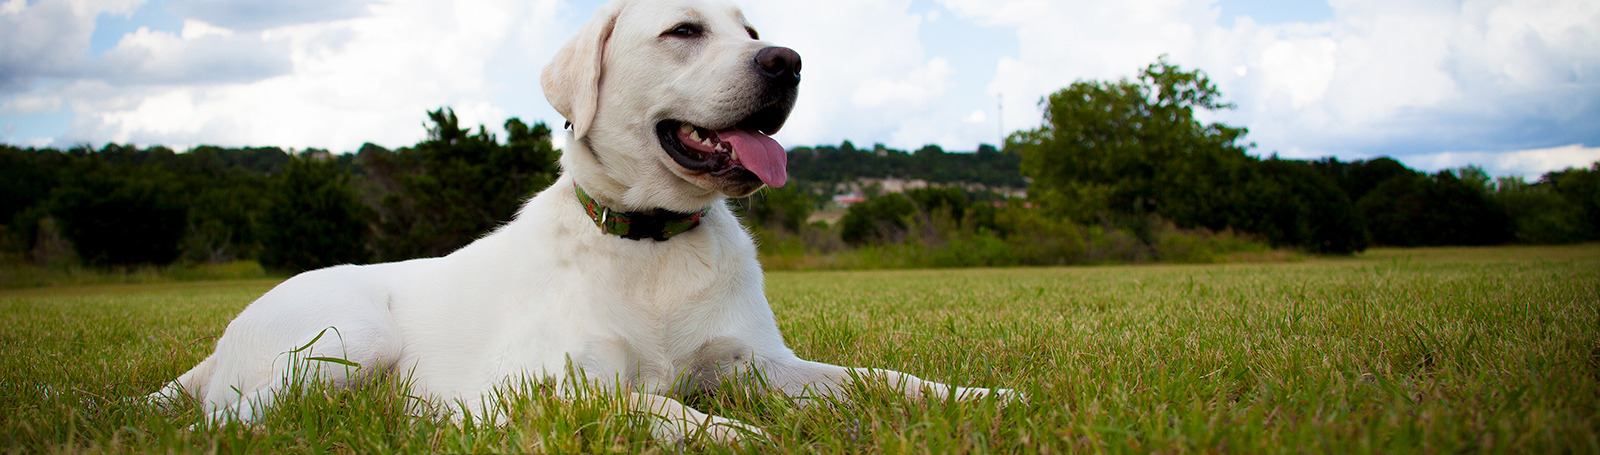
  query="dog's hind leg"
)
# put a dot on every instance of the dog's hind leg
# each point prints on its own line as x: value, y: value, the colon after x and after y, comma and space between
x: 672, y: 420
x: 804, y: 378
x: 187, y: 385
x: 337, y: 350
x: 334, y: 357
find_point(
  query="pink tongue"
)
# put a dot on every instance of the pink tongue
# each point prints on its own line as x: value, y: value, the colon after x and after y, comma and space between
x: 760, y: 154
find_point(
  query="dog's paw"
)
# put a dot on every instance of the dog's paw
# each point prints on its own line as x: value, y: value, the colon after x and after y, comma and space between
x: 728, y: 431
x: 1005, y: 397
x: 1008, y: 397
x: 718, y: 429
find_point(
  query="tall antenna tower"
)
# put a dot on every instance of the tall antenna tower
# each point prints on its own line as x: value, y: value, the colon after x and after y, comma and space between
x: 1000, y: 123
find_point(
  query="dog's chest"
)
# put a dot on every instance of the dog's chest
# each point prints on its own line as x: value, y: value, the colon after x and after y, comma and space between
x: 660, y: 367
x: 673, y: 283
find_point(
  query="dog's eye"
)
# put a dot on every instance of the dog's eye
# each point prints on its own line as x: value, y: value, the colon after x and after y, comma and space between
x: 685, y: 31
x: 753, y: 34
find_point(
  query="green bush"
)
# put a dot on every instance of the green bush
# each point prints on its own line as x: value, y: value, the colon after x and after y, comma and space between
x: 1291, y: 205
x: 1581, y: 187
x: 1442, y: 209
x: 948, y: 200
x: 879, y: 220
x: 1132, y: 151
x: 786, y: 208
x: 1539, y: 215
x: 1010, y: 234
x: 450, y: 189
x: 314, y: 219
x: 121, y: 215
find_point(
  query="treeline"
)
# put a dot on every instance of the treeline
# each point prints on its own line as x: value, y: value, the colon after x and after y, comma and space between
x: 821, y: 172
x: 123, y: 206
x: 1122, y: 171
x: 1403, y: 207
x: 946, y: 227
x: 1119, y: 172
x: 1130, y: 151
x: 846, y: 163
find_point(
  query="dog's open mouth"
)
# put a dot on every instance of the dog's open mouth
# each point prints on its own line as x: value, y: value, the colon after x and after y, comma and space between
x: 723, y: 152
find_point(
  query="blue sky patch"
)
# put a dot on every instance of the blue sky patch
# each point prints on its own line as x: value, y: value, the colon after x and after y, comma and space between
x: 110, y: 28
x: 1276, y: 11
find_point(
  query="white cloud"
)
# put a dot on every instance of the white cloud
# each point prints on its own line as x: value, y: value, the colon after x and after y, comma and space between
x: 31, y: 105
x: 1065, y: 41
x: 194, y: 30
x: 369, y: 75
x: 1382, y: 77
x: 1406, y: 78
x: 49, y: 38
x: 976, y: 117
x: 916, y: 89
x: 332, y: 84
x: 262, y: 15
x: 1529, y: 164
x: 13, y: 7
x: 866, y: 74
x: 1303, y: 69
x: 200, y: 54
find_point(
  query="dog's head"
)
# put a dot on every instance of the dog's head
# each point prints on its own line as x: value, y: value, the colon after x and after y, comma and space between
x: 671, y: 104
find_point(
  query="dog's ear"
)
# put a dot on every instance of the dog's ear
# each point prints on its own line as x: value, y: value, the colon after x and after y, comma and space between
x: 572, y: 80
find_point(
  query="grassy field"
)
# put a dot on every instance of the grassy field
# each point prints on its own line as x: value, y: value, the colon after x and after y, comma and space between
x: 1431, y: 351
x: 16, y: 273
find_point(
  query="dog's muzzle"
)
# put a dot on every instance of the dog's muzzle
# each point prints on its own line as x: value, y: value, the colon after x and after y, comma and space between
x: 744, y: 149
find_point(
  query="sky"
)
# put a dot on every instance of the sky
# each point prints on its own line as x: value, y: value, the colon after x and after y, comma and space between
x: 1509, y: 85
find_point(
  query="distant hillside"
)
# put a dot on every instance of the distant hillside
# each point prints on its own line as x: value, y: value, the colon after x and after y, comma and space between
x: 846, y: 163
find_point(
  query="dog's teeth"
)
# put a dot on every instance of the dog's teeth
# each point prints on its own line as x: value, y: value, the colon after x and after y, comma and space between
x: 695, y: 136
x: 707, y: 142
x: 733, y: 154
x: 686, y: 128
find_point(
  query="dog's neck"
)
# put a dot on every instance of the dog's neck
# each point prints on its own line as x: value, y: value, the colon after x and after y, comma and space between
x: 658, y: 224
x: 630, y: 186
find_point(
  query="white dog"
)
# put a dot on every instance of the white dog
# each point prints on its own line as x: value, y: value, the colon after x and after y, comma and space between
x: 630, y: 265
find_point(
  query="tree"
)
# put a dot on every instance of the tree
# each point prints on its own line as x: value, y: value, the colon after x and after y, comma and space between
x: 1581, y: 187
x: 1137, y: 142
x: 1539, y: 215
x: 314, y: 218
x: 455, y: 186
x: 845, y: 163
x: 120, y: 215
x: 26, y: 177
x: 223, y: 221
x: 1292, y: 205
x: 1358, y: 177
x: 936, y: 200
x: 1418, y: 210
x: 880, y: 219
x: 786, y: 208
x: 122, y: 205
x: 1131, y: 150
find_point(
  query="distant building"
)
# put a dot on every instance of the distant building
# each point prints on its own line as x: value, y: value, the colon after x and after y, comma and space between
x: 848, y: 199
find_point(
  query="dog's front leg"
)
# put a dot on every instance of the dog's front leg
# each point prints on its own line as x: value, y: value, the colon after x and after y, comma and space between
x: 803, y: 378
x: 672, y: 420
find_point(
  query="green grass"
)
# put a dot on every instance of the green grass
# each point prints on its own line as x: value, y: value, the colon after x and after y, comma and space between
x: 1432, y: 351
x: 16, y: 273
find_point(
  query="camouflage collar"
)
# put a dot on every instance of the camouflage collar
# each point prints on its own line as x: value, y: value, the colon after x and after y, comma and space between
x: 659, y: 226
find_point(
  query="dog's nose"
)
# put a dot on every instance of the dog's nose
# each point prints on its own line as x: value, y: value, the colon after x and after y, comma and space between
x: 779, y: 63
